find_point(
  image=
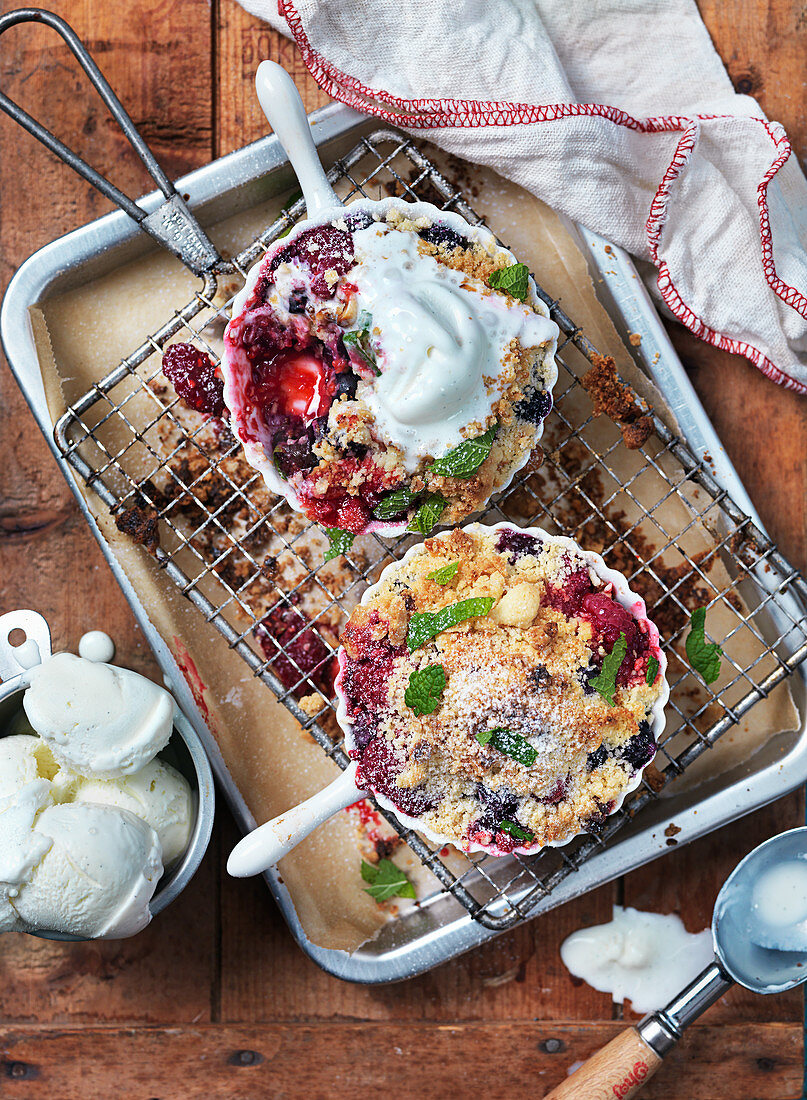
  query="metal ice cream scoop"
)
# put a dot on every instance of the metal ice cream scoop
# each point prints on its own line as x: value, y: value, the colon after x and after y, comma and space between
x: 759, y: 930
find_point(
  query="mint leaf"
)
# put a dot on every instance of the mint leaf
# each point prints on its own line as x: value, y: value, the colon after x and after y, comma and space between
x: 426, y: 685
x: 341, y: 542
x: 465, y: 459
x: 510, y: 743
x: 391, y: 505
x: 428, y: 624
x: 515, y: 280
x: 445, y: 574
x: 359, y: 338
x: 386, y: 880
x: 652, y: 671
x: 428, y: 513
x: 605, y: 682
x: 512, y: 828
x: 703, y: 656
x: 277, y: 451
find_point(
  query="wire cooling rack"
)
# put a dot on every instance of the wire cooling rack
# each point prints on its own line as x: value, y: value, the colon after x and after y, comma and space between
x: 256, y: 571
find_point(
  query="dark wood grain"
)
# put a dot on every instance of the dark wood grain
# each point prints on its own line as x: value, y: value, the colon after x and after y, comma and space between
x: 325, y: 1060
x: 215, y: 999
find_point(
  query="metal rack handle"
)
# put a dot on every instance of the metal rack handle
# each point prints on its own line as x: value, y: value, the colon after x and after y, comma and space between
x: 172, y: 223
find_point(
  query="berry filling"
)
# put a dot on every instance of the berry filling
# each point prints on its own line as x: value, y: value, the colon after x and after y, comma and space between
x: 641, y: 748
x: 516, y: 544
x: 609, y: 619
x: 296, y: 650
x: 569, y: 596
x: 321, y: 249
x: 378, y: 767
x: 193, y: 374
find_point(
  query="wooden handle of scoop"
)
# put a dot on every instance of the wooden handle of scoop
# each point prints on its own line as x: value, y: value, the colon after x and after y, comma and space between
x: 620, y: 1069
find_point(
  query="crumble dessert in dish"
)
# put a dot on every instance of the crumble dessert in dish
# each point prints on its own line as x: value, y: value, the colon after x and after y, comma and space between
x: 501, y: 688
x: 390, y: 365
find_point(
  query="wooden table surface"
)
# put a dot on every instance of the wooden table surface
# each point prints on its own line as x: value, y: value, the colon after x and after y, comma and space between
x: 214, y: 999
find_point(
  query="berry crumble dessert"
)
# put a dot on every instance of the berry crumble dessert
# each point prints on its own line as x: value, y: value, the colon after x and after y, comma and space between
x: 392, y: 365
x: 502, y: 687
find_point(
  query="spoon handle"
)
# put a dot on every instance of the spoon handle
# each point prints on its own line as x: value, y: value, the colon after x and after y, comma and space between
x: 619, y: 1069
x: 284, y: 109
x: 267, y: 844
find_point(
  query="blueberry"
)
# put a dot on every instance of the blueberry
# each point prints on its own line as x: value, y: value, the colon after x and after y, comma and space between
x: 597, y: 758
x: 295, y: 456
x: 360, y: 219
x: 297, y: 301
x: 441, y: 234
x: 516, y: 543
x: 535, y: 408
x: 498, y: 804
x: 346, y: 384
x: 586, y: 676
x: 641, y: 748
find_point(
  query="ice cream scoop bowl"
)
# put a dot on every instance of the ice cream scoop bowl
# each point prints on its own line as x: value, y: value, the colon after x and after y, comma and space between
x: 184, y: 752
x: 764, y: 898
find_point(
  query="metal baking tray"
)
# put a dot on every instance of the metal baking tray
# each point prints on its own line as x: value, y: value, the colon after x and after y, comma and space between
x: 443, y: 928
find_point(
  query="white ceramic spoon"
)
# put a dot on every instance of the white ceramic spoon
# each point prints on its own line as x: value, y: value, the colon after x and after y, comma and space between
x: 284, y: 110
x: 267, y: 844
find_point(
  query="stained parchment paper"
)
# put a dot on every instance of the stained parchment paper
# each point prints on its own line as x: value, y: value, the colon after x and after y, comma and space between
x: 84, y: 333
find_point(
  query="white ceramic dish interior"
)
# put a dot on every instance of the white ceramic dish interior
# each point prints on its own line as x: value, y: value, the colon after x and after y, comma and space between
x: 268, y: 843
x: 284, y: 109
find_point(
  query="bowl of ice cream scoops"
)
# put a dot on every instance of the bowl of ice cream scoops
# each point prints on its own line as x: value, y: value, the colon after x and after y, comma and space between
x: 106, y: 794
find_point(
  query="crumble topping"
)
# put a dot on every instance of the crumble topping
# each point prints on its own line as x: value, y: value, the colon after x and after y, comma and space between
x: 340, y: 405
x: 519, y: 750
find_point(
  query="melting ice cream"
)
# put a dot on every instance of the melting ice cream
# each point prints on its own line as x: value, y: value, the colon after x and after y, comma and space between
x: 644, y: 958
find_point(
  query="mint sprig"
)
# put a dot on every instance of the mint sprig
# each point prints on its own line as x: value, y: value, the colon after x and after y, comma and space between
x: 394, y: 503
x: 386, y: 881
x: 605, y: 681
x: 428, y: 624
x: 512, y: 828
x: 652, y: 671
x: 445, y: 574
x: 466, y: 458
x: 515, y: 280
x: 427, y: 515
x: 341, y: 542
x: 703, y: 656
x: 510, y: 743
x: 426, y: 685
x: 359, y: 338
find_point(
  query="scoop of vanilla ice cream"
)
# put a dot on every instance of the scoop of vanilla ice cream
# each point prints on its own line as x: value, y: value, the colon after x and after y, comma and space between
x: 97, y: 876
x: 98, y: 720
x: 18, y: 763
x: 21, y: 847
x: 157, y: 793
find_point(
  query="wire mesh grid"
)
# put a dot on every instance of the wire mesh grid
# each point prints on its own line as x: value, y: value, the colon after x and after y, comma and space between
x: 255, y: 570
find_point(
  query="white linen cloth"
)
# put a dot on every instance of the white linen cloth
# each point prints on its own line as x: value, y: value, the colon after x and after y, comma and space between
x: 618, y: 113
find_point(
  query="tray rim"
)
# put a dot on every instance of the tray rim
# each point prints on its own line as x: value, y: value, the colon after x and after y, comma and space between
x: 226, y: 175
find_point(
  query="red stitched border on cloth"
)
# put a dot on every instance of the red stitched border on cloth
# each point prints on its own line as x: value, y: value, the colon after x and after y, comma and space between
x: 427, y: 113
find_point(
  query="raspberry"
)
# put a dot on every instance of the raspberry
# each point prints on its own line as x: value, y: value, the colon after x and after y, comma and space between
x: 193, y: 375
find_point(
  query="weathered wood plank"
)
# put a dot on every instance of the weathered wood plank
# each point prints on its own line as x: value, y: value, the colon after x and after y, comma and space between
x: 157, y: 57
x: 496, y: 1060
